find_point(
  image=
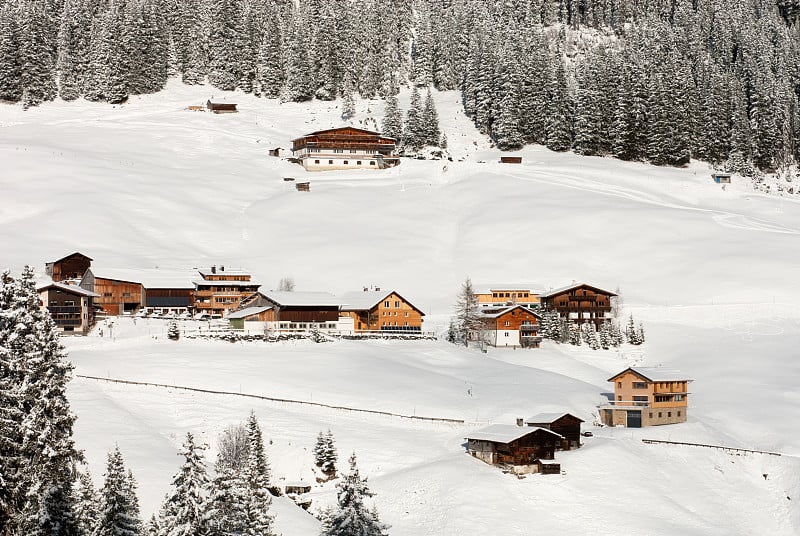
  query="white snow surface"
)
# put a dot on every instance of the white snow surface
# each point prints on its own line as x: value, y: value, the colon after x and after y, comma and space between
x: 712, y: 274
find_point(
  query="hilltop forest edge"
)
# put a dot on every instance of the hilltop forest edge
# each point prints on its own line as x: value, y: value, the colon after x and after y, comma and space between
x: 660, y: 81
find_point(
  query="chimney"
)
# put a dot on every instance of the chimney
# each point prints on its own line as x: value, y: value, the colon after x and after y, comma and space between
x: 365, y: 289
x: 520, y: 421
x: 214, y: 269
x: 377, y: 289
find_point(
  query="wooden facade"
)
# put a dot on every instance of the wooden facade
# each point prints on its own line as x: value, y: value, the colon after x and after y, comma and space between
x: 221, y: 107
x: 172, y: 299
x: 564, y: 424
x: 376, y: 310
x: 300, y: 308
x: 500, y: 444
x: 510, y: 327
x: 645, y: 396
x: 219, y: 291
x: 580, y: 303
x: 70, y: 267
x: 510, y: 159
x: 70, y: 306
x: 345, y: 148
x: 504, y: 294
x: 115, y: 296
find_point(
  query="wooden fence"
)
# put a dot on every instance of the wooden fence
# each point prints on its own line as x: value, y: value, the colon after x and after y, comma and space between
x: 274, y: 399
x: 719, y: 447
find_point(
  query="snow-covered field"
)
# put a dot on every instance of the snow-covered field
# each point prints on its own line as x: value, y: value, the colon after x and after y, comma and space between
x: 712, y: 274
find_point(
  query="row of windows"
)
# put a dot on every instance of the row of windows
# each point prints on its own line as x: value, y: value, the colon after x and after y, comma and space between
x: 226, y: 299
x: 395, y: 324
x: 396, y: 304
x: 290, y: 325
x: 661, y: 414
x: 508, y: 294
x: 347, y: 162
x: 390, y: 313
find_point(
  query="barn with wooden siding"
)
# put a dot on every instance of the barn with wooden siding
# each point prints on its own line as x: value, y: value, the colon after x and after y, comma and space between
x: 565, y: 424
x: 116, y: 296
x: 381, y: 310
x: 70, y: 267
x: 300, y: 310
x: 516, y: 446
x: 580, y: 303
x: 510, y: 327
x: 221, y: 107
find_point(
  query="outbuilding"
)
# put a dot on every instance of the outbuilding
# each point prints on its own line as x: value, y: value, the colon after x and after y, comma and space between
x: 564, y: 424
x: 516, y: 446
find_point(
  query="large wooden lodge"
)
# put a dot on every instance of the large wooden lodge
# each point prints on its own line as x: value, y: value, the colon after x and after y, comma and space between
x: 345, y: 148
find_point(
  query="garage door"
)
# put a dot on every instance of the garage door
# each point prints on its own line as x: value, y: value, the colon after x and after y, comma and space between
x: 634, y: 419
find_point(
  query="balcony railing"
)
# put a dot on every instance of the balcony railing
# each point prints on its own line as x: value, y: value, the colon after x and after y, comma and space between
x: 67, y: 322
x: 54, y: 309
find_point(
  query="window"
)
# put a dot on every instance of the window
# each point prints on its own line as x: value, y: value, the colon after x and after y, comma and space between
x: 395, y: 313
x: 397, y: 305
x: 507, y: 323
x: 663, y: 398
x: 372, y: 162
x: 651, y: 415
x: 405, y: 314
x: 338, y: 150
x: 352, y: 151
x: 640, y: 400
x: 619, y: 398
x: 508, y: 294
x: 679, y: 414
x: 640, y: 385
x: 678, y: 398
x: 53, y: 303
x: 346, y: 162
x: 669, y: 414
x: 619, y: 384
x: 358, y: 162
x: 405, y: 324
x: 107, y: 294
x: 69, y: 303
x: 126, y: 294
x: 660, y: 414
x: 330, y: 161
x: 386, y: 303
x: 506, y: 334
x: 316, y: 161
x: 494, y: 294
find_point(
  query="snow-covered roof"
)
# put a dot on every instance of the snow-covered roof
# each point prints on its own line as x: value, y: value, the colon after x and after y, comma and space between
x: 486, y: 288
x: 494, y: 312
x: 220, y: 271
x: 506, y: 433
x: 71, y: 255
x: 148, y: 277
x: 367, y: 299
x: 302, y: 299
x: 655, y: 374
x: 74, y: 289
x: 548, y: 417
x: 225, y: 283
x: 553, y: 292
x: 247, y: 311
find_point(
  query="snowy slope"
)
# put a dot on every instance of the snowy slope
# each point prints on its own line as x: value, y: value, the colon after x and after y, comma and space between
x: 711, y: 272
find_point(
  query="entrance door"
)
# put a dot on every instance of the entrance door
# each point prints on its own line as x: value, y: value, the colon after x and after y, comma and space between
x: 634, y: 419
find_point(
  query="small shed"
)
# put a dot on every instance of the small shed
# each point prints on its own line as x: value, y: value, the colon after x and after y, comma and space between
x: 248, y: 315
x: 303, y: 186
x: 721, y: 178
x: 506, y: 444
x: 297, y: 488
x: 195, y: 108
x: 275, y: 152
x: 510, y: 159
x: 564, y: 424
x: 221, y: 107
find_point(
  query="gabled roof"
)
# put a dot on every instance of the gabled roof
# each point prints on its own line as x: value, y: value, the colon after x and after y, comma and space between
x: 149, y: 278
x: 488, y: 288
x: 498, y: 312
x: 72, y: 289
x: 548, y: 418
x: 328, y: 130
x: 247, y: 311
x: 506, y: 433
x: 302, y: 299
x: 207, y: 271
x: 369, y: 299
x: 559, y: 290
x: 122, y: 277
x: 72, y: 255
x: 225, y: 283
x: 655, y: 374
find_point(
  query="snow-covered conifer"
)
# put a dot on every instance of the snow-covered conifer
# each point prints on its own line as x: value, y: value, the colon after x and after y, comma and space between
x: 185, y: 505
x: 87, y: 512
x: 467, y: 315
x: 258, y: 478
x: 325, y: 455
x: 430, y: 122
x: 413, y: 136
x: 119, y: 515
x: 352, y: 516
x: 173, y: 332
x: 393, y: 119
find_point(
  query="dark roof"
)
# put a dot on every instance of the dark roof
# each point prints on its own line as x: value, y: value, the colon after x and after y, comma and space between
x: 72, y: 255
x: 327, y: 130
x: 497, y: 312
x: 366, y: 300
x: 549, y: 418
x: 559, y: 290
x: 71, y: 289
x: 506, y: 433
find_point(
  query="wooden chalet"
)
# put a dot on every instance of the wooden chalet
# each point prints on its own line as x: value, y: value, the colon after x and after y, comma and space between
x: 580, y: 303
x: 566, y: 425
x: 298, y: 311
x: 377, y: 310
x: 70, y: 306
x: 70, y: 267
x: 117, y: 296
x: 517, y: 446
x: 220, y: 291
x: 647, y: 396
x: 510, y: 327
x: 249, y: 315
x: 345, y: 148
x: 496, y: 295
x: 221, y: 107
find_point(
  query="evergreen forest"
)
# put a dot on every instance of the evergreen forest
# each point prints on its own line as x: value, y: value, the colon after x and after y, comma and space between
x: 662, y: 81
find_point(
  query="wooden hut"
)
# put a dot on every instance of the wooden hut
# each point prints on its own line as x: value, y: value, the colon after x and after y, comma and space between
x: 564, y: 424
x: 510, y: 159
x: 721, y: 178
x: 221, y: 107
x: 517, y: 446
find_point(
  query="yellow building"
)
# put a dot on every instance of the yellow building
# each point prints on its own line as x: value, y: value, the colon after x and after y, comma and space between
x: 506, y: 294
x: 376, y: 310
x: 646, y: 396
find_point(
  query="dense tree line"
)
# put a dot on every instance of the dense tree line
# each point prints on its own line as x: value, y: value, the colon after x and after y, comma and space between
x: 656, y: 80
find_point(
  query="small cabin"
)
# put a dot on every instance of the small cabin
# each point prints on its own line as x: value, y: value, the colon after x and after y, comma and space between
x: 510, y: 159
x: 721, y: 178
x: 565, y: 424
x: 221, y: 107
x: 303, y: 186
x: 195, y: 108
x: 520, y: 447
x: 275, y: 152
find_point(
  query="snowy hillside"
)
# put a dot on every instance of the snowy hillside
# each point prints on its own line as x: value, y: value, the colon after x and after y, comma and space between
x: 711, y: 272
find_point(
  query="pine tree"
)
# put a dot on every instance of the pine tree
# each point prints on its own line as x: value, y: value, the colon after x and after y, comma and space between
x: 87, y: 513
x: 631, y: 333
x: 413, y: 136
x: 393, y: 119
x: 38, y: 497
x: 325, y: 454
x: 467, y: 315
x: 10, y: 54
x: 353, y: 517
x: 173, y: 332
x: 226, y: 507
x: 185, y: 506
x: 430, y: 122
x: 605, y: 335
x: 119, y: 515
x: 257, y: 478
x: 36, y: 46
